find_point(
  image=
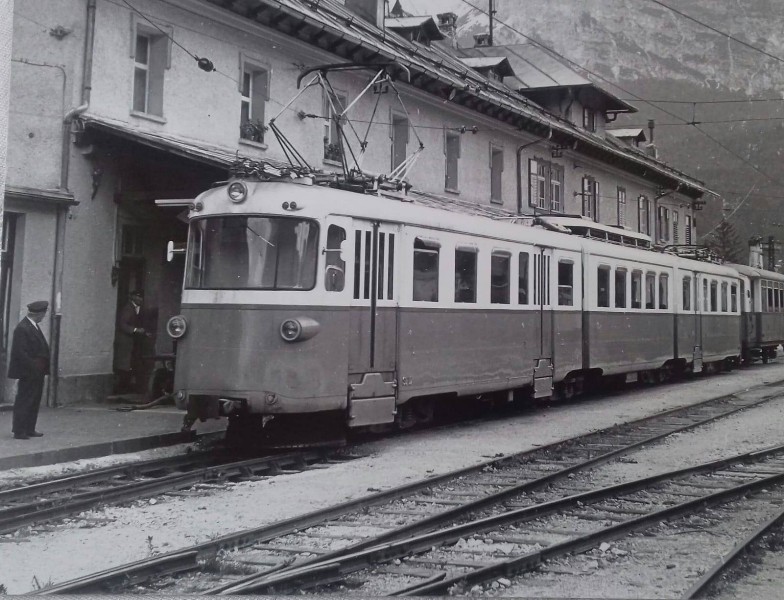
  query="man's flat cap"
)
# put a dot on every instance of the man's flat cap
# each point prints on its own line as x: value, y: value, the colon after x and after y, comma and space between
x: 38, y: 306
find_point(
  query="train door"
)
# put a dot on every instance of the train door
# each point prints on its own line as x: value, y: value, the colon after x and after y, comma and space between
x: 373, y: 324
x: 688, y: 323
x: 541, y: 279
x: 701, y: 306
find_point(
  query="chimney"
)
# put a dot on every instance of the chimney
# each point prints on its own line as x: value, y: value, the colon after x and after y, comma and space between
x: 371, y: 11
x: 481, y: 40
x: 650, y: 148
x: 447, y: 23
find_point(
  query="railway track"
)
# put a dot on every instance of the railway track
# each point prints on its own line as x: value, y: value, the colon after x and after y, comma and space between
x: 248, y: 560
x: 66, y: 496
x: 455, y: 561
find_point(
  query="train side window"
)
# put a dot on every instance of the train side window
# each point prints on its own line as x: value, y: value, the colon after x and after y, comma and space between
x: 734, y: 297
x: 425, y: 287
x: 499, y: 277
x: 705, y: 298
x: 664, y: 290
x: 687, y: 293
x: 620, y: 288
x: 386, y: 264
x: 522, y: 279
x: 335, y: 267
x: 650, y: 291
x: 724, y: 288
x: 565, y: 283
x: 775, y: 300
x: 769, y: 299
x: 636, y: 289
x: 603, y: 286
x: 465, y: 275
x: 714, y: 292
x: 362, y: 256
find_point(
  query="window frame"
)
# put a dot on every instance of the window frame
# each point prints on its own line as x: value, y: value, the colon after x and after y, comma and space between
x: 621, y: 203
x: 545, y: 185
x: 496, y: 173
x: 159, y: 45
x: 455, y: 137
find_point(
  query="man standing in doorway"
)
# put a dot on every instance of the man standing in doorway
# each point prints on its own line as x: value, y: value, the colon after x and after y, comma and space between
x: 30, y: 365
x: 130, y: 345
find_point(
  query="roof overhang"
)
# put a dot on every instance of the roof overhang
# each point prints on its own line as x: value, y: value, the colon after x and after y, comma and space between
x: 38, y: 196
x: 213, y: 156
x: 499, y: 64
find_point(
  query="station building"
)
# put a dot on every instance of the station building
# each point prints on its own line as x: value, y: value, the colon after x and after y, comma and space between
x: 118, y: 103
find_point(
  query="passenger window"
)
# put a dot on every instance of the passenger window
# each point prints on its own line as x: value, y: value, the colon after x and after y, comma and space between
x: 650, y: 290
x: 664, y: 289
x: 565, y: 283
x: 499, y: 277
x: 620, y: 288
x: 603, y: 287
x: 769, y: 296
x: 705, y: 304
x: 687, y: 293
x: 335, y: 267
x: 734, y: 297
x: 636, y: 289
x: 465, y: 275
x: 425, y: 271
x: 714, y: 292
x: 522, y: 279
x: 724, y: 287
x: 362, y: 254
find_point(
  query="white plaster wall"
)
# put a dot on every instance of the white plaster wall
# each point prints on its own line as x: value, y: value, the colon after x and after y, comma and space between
x: 6, y: 24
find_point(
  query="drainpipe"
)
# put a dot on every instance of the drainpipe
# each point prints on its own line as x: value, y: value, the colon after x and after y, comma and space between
x: 59, y: 240
x: 520, y: 169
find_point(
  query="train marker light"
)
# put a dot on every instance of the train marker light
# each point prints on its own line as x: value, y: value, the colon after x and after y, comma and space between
x: 299, y: 329
x: 176, y: 326
x: 237, y: 191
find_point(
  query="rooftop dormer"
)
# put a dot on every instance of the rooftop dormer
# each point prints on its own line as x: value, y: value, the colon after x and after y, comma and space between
x: 415, y: 29
x: 492, y: 67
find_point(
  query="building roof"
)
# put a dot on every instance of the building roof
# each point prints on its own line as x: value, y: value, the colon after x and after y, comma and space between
x: 499, y: 64
x: 537, y: 70
x: 329, y: 26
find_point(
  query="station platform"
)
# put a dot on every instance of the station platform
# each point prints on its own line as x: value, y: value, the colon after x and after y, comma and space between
x: 80, y: 431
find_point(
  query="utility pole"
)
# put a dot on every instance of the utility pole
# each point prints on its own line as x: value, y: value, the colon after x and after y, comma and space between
x: 491, y: 12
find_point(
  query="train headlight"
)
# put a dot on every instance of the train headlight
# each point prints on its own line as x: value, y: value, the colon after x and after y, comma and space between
x: 237, y: 191
x: 176, y: 326
x: 299, y: 329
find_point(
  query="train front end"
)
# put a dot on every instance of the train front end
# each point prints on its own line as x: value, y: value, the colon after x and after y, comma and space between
x: 258, y: 340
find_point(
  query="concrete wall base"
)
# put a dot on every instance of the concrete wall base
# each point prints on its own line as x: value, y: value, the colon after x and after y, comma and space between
x: 84, y: 389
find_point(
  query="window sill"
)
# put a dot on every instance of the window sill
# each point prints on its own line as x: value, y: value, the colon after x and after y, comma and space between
x: 245, y: 142
x: 334, y: 163
x: 496, y: 201
x: 148, y: 117
x: 452, y: 191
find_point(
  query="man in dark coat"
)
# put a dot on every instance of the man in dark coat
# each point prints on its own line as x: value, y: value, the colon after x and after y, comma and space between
x: 30, y: 365
x: 131, y: 334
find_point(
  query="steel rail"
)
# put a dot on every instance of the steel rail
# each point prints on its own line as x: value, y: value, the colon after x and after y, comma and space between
x: 711, y: 578
x: 326, y: 570
x: 46, y: 486
x: 12, y: 518
x: 108, y: 578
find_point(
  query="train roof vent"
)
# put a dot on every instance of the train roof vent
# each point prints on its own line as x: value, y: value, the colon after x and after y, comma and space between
x: 694, y: 252
x: 585, y: 227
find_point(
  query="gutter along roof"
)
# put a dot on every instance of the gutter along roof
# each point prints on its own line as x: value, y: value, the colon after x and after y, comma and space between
x: 333, y: 28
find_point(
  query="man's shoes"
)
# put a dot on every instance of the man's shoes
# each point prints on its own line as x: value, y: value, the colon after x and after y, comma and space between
x: 35, y: 434
x: 21, y: 436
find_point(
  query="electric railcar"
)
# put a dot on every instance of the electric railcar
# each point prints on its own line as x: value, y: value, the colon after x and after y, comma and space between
x: 309, y: 309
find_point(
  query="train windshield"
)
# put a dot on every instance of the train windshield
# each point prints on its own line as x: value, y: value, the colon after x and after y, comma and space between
x: 244, y: 252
